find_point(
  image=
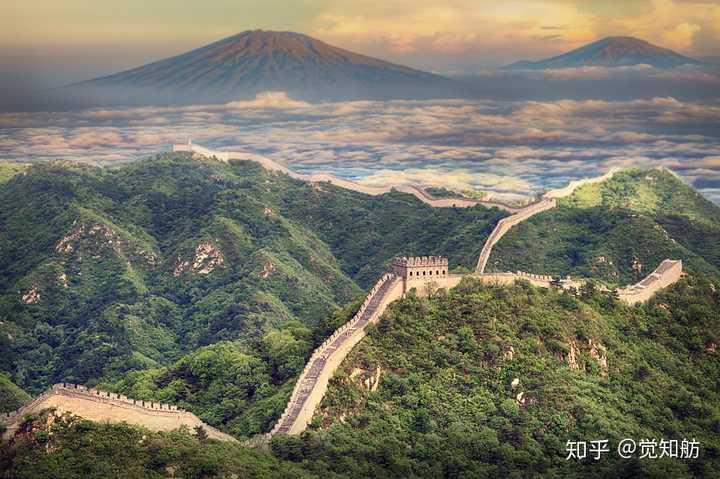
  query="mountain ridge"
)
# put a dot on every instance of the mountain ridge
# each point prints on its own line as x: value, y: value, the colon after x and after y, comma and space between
x: 613, y: 51
x: 249, y: 62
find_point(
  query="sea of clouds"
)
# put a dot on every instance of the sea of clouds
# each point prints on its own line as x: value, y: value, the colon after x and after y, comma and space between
x: 508, y: 148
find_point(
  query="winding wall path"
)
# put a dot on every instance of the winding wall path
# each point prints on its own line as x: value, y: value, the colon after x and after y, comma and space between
x: 547, y: 202
x: 312, y: 383
x: 272, y: 165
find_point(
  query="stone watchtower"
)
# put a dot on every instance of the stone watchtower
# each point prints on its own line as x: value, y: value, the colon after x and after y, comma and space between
x: 417, y: 271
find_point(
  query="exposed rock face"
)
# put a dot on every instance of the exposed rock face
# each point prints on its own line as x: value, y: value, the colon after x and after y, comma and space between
x: 637, y: 266
x: 572, y: 356
x: 104, y: 235
x: 63, y: 279
x: 599, y: 353
x: 268, y: 269
x: 207, y: 258
x: 68, y: 243
x: 508, y: 354
x: 32, y: 296
x: 371, y: 381
x: 515, y: 383
x: 180, y: 266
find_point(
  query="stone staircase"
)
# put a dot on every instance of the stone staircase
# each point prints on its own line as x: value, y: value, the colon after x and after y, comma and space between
x: 312, y: 383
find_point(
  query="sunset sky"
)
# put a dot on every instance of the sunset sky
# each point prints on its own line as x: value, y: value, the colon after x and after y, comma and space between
x: 73, y: 39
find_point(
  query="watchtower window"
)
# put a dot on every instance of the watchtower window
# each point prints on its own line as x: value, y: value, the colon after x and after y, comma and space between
x: 424, y: 273
x: 437, y: 272
x: 410, y: 273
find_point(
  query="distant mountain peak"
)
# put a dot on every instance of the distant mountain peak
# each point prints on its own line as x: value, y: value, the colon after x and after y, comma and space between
x: 249, y: 62
x: 614, y: 51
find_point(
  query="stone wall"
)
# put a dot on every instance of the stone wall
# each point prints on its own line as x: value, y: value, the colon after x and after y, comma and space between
x: 504, y: 226
x: 664, y: 275
x: 103, y: 406
x: 312, y: 384
x: 546, y: 203
x: 573, y: 185
x: 272, y: 165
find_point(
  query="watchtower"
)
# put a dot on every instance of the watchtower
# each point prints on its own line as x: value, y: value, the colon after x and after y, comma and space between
x: 418, y: 270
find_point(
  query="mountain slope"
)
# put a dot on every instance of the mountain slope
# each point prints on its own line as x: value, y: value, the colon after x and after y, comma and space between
x: 618, y: 231
x: 250, y: 62
x: 431, y: 391
x: 104, y: 271
x: 611, y: 52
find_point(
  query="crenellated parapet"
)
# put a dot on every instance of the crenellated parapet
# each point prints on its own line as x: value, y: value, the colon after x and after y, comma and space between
x: 103, y: 406
x: 418, y: 261
x: 312, y: 383
x: 92, y: 394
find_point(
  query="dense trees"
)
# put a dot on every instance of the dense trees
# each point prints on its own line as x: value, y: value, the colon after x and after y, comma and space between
x: 478, y: 382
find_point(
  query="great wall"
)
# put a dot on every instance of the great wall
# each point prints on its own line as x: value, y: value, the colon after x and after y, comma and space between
x: 101, y: 406
x: 421, y: 274
x: 272, y: 165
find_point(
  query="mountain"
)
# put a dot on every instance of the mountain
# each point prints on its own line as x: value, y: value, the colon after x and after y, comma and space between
x: 611, y: 52
x: 250, y: 62
x: 617, y: 230
x: 480, y: 382
x: 207, y: 284
x: 105, y: 271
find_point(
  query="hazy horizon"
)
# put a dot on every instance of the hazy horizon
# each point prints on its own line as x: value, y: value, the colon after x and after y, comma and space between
x: 510, y: 132
x: 48, y: 44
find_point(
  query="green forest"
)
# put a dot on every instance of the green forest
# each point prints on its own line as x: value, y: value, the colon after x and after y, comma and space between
x: 208, y: 284
x: 588, y: 367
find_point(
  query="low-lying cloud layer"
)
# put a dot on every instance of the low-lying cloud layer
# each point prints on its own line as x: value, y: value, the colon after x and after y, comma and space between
x: 510, y: 148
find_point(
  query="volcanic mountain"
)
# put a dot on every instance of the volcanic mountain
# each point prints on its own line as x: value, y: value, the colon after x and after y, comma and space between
x: 611, y: 52
x: 250, y: 62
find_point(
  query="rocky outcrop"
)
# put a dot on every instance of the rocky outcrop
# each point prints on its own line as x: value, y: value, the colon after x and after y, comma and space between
x: 32, y: 296
x: 207, y: 257
x: 102, y: 235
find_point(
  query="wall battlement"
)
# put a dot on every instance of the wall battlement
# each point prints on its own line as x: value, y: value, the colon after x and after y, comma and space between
x: 311, y: 385
x: 103, y: 406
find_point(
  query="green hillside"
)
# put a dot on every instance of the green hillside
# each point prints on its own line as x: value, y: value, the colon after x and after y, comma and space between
x: 11, y: 396
x: 429, y: 393
x: 618, y: 231
x: 104, y: 271
x: 587, y: 368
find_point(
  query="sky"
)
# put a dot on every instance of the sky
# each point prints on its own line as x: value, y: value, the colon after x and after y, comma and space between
x: 47, y: 43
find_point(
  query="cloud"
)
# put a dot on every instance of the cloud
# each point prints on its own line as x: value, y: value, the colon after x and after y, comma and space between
x: 497, y: 146
x: 268, y: 100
